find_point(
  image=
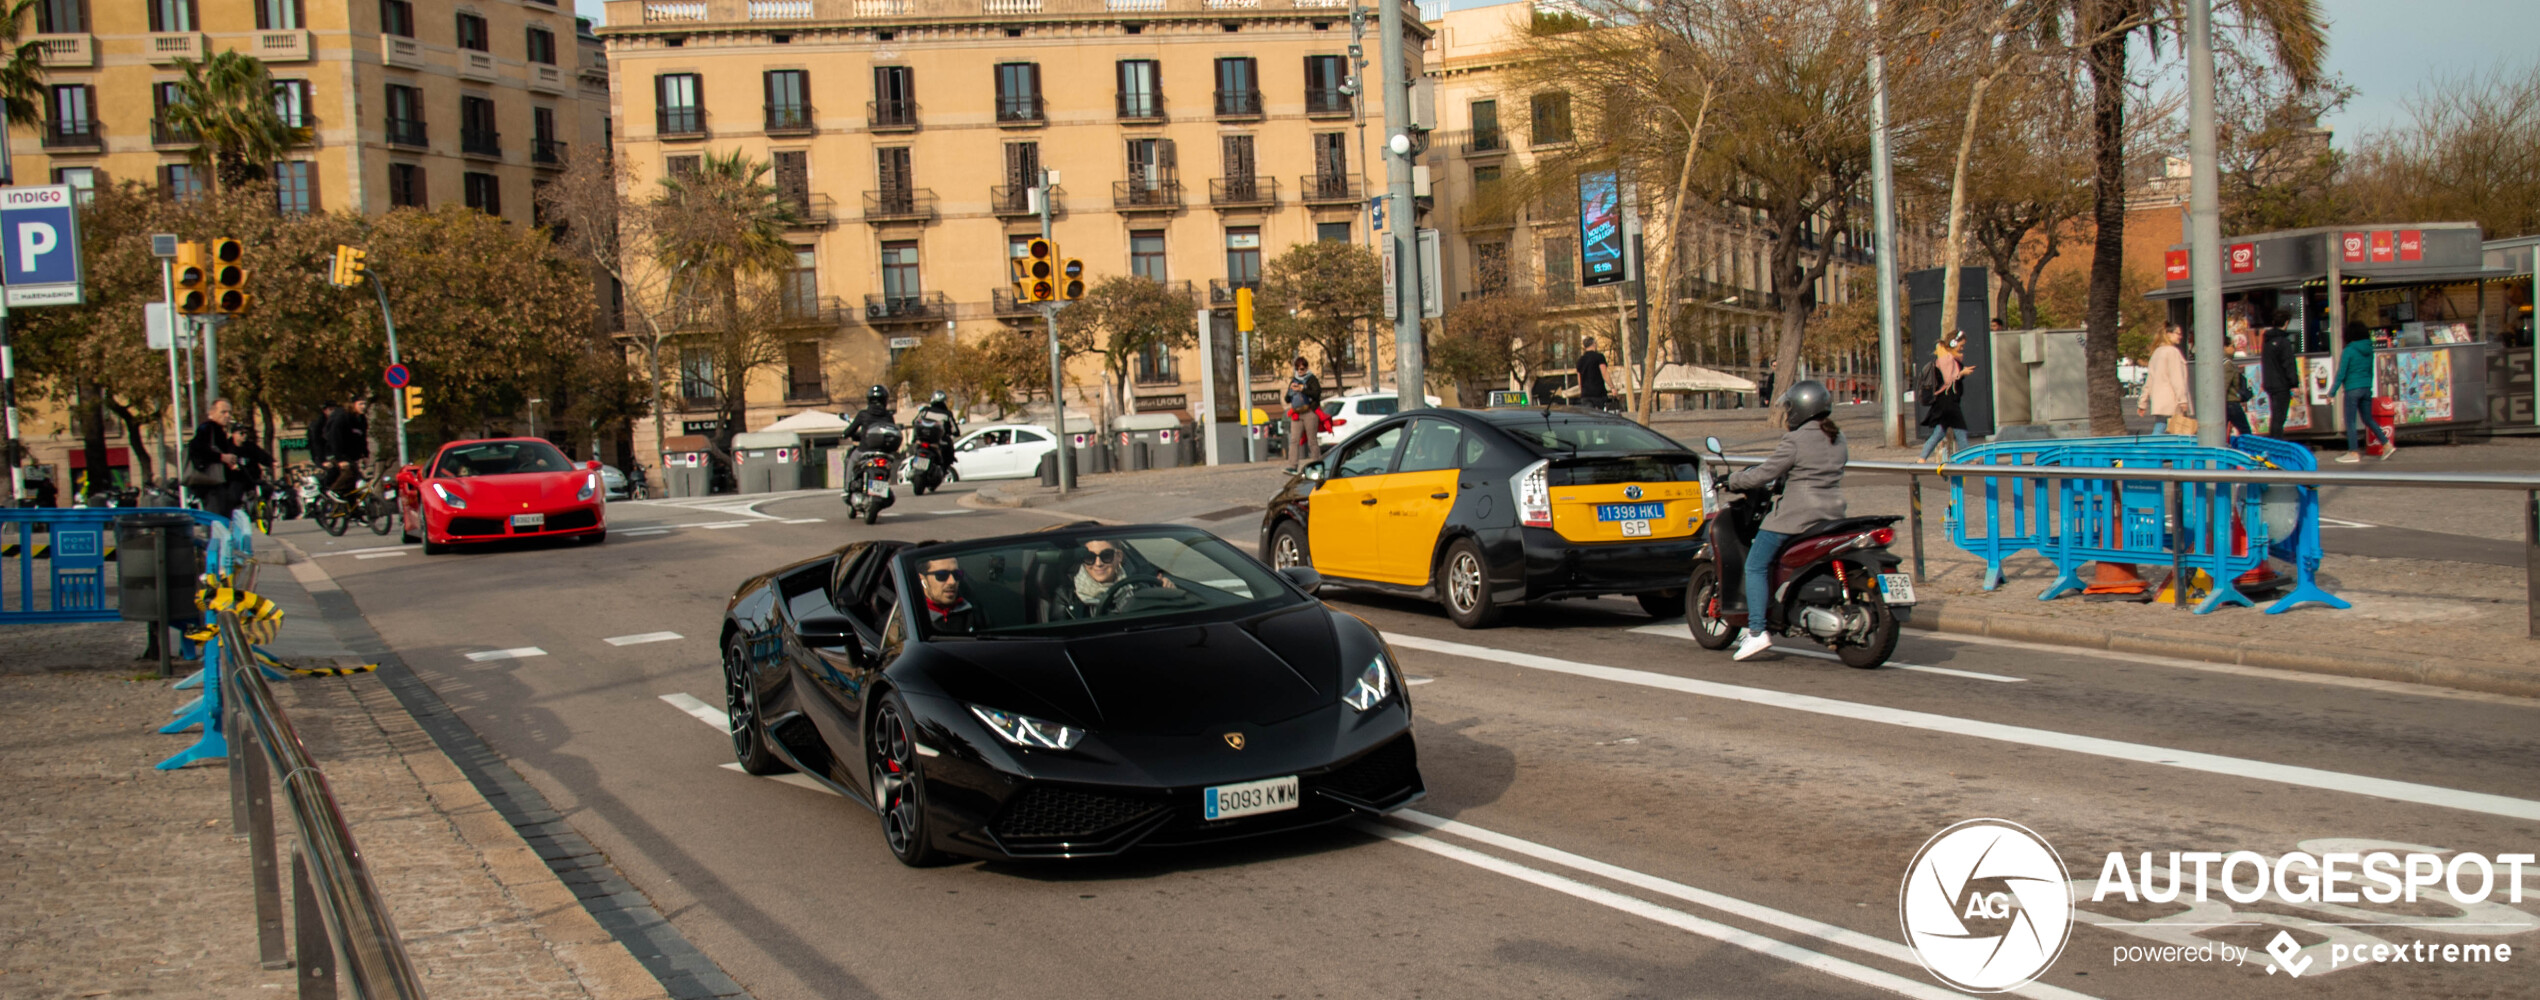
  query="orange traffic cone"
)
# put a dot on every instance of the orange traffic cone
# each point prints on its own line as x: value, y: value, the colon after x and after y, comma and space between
x: 2260, y: 576
x: 2116, y: 580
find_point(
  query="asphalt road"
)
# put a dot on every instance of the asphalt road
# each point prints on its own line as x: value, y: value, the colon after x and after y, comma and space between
x: 1614, y: 812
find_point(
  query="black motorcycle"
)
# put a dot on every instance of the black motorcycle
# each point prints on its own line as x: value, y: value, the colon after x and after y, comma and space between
x: 929, y: 464
x: 869, y: 472
x: 1837, y: 584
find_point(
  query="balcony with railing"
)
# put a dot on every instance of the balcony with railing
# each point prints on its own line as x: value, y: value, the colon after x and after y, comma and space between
x: 1006, y: 305
x: 1147, y: 107
x: 811, y: 211
x: 166, y: 47
x: 890, y: 116
x: 481, y: 142
x: 908, y: 307
x: 795, y: 309
x: 789, y: 119
x: 1326, y: 101
x: 1485, y: 142
x: 547, y: 153
x: 674, y: 11
x: 780, y: 10
x: 899, y: 205
x: 400, y: 52
x: 1020, y: 109
x: 66, y: 51
x: 163, y: 134
x: 545, y: 79
x: 1146, y: 195
x: 408, y: 132
x: 1011, y: 201
x: 1238, y: 104
x: 1221, y: 291
x: 1254, y: 191
x: 1330, y: 189
x: 680, y: 123
x: 72, y: 134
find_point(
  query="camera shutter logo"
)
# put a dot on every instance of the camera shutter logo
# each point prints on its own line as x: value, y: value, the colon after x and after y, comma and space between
x: 1986, y: 905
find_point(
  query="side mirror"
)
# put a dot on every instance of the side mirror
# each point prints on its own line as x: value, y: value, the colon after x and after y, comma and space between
x: 1312, y: 471
x: 409, y: 475
x: 825, y: 631
x: 1302, y: 577
x: 593, y: 465
x: 1713, y: 443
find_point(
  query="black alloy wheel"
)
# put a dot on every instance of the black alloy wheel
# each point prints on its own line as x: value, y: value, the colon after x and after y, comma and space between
x: 1702, y: 609
x: 740, y: 706
x: 1883, y: 635
x: 1463, y: 585
x: 899, y: 786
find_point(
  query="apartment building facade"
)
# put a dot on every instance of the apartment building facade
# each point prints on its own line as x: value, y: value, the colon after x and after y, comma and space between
x: 1195, y: 140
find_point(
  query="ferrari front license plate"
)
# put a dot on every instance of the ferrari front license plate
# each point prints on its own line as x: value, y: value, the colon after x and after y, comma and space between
x: 1268, y: 795
x: 528, y: 520
x: 1898, y: 587
x: 1631, y: 512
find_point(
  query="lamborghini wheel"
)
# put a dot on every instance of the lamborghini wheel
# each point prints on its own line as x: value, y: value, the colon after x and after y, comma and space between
x: 740, y: 706
x: 899, y: 785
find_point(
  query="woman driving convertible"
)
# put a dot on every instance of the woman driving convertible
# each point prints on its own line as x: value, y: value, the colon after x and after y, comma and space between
x: 1107, y: 580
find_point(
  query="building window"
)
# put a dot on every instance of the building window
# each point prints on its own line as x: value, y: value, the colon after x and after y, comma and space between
x: 62, y: 17
x: 1551, y: 118
x: 1018, y: 92
x: 397, y: 17
x: 476, y: 127
x: 172, y: 15
x: 798, y: 292
x: 894, y: 97
x: 405, y: 116
x: 74, y: 116
x: 1238, y: 87
x: 803, y: 380
x: 1326, y: 85
x: 1151, y: 164
x: 793, y: 181
x: 279, y: 15
x: 1485, y: 125
x: 295, y: 187
x: 405, y: 185
x: 1155, y: 366
x: 83, y: 182
x: 1146, y: 254
x: 679, y: 110
x: 180, y: 182
x: 1331, y: 163
x: 291, y: 102
x: 788, y: 100
x: 680, y: 166
x: 473, y: 34
x: 1560, y: 269
x: 1490, y: 267
x: 543, y: 147
x: 898, y: 194
x: 1332, y: 232
x: 484, y: 193
x: 1022, y: 170
x: 1141, y: 89
x: 538, y: 216
x: 542, y: 46
x: 696, y: 375
x: 899, y: 274
x: 1243, y: 257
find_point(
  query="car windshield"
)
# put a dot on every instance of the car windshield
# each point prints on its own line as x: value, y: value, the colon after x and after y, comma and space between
x: 501, y: 458
x: 1560, y: 434
x: 1035, y: 585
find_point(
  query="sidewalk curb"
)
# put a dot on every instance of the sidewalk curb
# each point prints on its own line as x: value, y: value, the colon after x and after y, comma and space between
x: 616, y: 942
x: 2483, y: 678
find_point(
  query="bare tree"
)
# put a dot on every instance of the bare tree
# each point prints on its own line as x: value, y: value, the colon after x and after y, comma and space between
x: 592, y: 218
x: 2470, y: 150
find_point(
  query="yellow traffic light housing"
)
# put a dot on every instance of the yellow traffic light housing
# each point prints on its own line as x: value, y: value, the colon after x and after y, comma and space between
x: 193, y: 280
x: 349, y: 266
x: 229, y: 277
x: 414, y: 401
x: 1040, y: 271
x: 1071, y: 281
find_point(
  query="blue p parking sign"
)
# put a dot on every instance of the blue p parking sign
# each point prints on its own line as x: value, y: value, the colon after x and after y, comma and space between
x: 39, y: 246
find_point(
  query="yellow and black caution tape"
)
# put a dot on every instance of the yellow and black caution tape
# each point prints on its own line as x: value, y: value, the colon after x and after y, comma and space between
x: 332, y: 671
x: 259, y: 618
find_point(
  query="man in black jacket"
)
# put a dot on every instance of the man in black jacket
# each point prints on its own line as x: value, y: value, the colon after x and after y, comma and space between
x: 348, y: 443
x: 2276, y: 372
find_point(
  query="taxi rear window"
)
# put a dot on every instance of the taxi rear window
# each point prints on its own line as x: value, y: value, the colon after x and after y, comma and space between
x: 1633, y: 469
x: 1555, y: 435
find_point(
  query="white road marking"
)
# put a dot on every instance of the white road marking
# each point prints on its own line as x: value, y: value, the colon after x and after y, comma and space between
x: 788, y: 778
x: 701, y: 711
x: 379, y: 555
x: 2333, y: 522
x: 1759, y: 913
x: 640, y: 638
x: 1417, y: 681
x: 643, y: 533
x: 356, y: 552
x: 507, y: 654
x: 719, y: 527
x: 2238, y: 767
x: 2268, y: 673
x: 1677, y: 630
x: 807, y: 520
x: 1723, y: 933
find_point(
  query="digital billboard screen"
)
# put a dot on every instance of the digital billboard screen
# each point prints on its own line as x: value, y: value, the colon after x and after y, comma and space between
x: 1600, y: 229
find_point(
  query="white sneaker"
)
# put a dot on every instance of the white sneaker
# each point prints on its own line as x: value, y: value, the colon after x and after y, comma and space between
x: 1751, y: 644
x: 2349, y: 458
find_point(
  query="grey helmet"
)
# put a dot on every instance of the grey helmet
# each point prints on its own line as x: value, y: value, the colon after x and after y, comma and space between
x: 1804, y: 402
x: 939, y: 397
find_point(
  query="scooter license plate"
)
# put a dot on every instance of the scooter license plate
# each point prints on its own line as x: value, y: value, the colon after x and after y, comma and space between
x: 1899, y: 587
x: 1635, y: 529
x: 877, y: 490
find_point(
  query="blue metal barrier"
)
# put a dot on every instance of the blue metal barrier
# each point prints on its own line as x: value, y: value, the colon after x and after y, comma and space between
x: 75, y: 544
x: 2028, y: 515
x: 2300, y: 547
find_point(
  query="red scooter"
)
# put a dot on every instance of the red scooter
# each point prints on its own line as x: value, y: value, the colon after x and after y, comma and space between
x: 1838, y: 584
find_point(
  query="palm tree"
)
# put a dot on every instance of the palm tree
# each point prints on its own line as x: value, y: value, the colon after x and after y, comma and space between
x: 2293, y: 29
x: 226, y: 104
x: 21, y: 64
x: 723, y: 224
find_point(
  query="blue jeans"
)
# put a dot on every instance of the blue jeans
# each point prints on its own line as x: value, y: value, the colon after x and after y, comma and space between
x: 2359, y: 417
x: 1959, y: 434
x: 1759, y: 565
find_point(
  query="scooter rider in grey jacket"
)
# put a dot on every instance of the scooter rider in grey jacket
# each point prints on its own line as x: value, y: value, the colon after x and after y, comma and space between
x: 1813, y: 458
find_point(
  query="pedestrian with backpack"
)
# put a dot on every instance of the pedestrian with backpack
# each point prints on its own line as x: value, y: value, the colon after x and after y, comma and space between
x: 1942, y: 391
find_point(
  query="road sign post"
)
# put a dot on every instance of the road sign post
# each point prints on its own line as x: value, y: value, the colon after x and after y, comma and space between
x: 390, y: 323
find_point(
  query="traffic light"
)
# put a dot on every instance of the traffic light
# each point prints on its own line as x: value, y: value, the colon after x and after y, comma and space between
x: 349, y: 266
x: 1071, y: 281
x: 1020, y: 274
x: 414, y: 401
x: 193, y: 280
x: 229, y: 276
x: 1040, y: 271
x: 1243, y: 308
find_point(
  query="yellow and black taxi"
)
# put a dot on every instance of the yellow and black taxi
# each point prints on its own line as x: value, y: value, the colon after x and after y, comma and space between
x: 1478, y: 509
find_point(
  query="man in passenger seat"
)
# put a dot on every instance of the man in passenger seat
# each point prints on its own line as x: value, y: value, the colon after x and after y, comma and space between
x: 948, y: 610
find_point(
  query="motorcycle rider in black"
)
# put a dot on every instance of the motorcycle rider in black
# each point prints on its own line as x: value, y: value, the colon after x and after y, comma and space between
x: 936, y: 426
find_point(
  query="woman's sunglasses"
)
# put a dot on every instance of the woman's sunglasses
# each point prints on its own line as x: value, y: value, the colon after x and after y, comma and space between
x: 1105, y: 557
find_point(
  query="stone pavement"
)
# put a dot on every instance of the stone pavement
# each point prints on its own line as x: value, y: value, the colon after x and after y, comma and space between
x: 122, y: 880
x: 2454, y: 624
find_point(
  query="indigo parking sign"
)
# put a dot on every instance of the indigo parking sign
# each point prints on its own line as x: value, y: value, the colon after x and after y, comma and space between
x: 39, y: 246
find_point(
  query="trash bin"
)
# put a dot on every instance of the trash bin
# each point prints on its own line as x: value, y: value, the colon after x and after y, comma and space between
x: 151, y: 549
x: 2385, y: 413
x: 768, y: 461
x: 1087, y: 453
x: 687, y: 474
x: 1149, y: 440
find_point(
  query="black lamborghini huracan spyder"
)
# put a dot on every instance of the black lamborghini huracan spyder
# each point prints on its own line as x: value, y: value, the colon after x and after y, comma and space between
x: 1066, y: 693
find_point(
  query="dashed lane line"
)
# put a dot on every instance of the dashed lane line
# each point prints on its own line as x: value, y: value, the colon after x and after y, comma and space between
x: 640, y: 638
x: 700, y: 711
x: 360, y: 552
x: 2238, y: 767
x: 1676, y: 629
x: 522, y: 652
x: 380, y: 555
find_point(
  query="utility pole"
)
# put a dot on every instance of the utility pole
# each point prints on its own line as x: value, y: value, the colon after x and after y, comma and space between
x: 2204, y: 205
x: 1883, y: 204
x: 1402, y: 226
x: 1058, y: 399
x: 164, y: 246
x: 390, y: 324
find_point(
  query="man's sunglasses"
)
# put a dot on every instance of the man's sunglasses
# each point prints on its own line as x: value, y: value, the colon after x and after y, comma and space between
x: 1105, y: 557
x: 940, y: 575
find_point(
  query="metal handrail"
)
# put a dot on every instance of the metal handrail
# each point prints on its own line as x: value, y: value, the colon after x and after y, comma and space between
x: 336, y: 905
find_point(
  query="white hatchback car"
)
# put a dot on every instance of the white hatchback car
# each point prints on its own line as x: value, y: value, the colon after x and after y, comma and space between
x: 1002, y: 451
x: 1357, y: 410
